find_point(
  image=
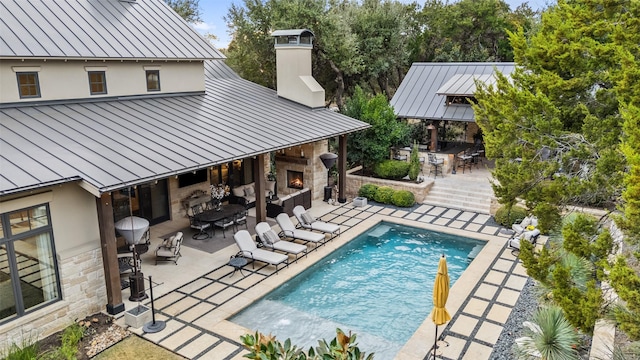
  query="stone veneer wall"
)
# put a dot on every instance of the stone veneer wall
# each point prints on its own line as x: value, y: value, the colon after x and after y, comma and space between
x: 354, y: 182
x: 83, y: 294
x: 315, y: 174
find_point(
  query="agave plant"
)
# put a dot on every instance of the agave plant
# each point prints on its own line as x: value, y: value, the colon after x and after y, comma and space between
x: 342, y: 347
x: 549, y: 336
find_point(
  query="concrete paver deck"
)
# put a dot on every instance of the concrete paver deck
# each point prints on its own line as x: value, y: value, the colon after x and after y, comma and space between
x: 198, y: 298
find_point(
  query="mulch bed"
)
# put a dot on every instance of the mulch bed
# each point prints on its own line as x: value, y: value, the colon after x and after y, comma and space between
x: 101, y: 332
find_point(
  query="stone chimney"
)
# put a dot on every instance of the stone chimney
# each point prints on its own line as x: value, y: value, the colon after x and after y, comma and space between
x: 293, y: 65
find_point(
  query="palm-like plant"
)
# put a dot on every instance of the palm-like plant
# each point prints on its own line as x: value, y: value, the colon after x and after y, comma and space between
x: 549, y: 336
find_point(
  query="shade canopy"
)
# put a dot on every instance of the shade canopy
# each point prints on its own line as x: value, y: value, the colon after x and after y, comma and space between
x: 132, y: 228
x: 439, y: 314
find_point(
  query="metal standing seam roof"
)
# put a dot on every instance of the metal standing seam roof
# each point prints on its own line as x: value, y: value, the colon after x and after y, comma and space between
x: 114, y: 144
x: 98, y: 29
x: 421, y: 95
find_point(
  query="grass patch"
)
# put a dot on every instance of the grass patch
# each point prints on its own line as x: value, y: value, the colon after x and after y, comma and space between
x: 135, y: 347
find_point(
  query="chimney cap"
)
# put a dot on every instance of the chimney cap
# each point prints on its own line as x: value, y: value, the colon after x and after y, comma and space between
x: 293, y: 37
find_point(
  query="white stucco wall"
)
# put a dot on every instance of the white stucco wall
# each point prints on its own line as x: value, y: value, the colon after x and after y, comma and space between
x: 61, y: 80
x: 77, y: 243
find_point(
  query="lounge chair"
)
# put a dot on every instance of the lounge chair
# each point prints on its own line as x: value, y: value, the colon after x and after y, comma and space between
x: 514, y: 242
x: 527, y: 221
x: 249, y: 250
x: 272, y: 241
x: 309, y: 222
x: 289, y: 230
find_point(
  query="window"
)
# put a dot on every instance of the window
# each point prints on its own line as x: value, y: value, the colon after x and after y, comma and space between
x: 153, y: 80
x: 28, y: 270
x: 97, y: 82
x: 28, y: 86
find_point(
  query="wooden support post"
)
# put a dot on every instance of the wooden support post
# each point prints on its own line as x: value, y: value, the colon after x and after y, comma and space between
x: 342, y: 169
x: 109, y: 254
x: 260, y: 178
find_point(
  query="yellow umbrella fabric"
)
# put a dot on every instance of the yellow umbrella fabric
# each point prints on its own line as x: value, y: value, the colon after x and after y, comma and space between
x: 440, y: 315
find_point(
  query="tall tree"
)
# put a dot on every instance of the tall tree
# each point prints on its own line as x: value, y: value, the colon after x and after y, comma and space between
x: 468, y: 30
x: 560, y: 116
x: 187, y: 9
x: 371, y: 146
x: 354, y: 43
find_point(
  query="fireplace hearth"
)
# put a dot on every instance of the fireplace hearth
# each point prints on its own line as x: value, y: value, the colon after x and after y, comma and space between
x: 295, y: 179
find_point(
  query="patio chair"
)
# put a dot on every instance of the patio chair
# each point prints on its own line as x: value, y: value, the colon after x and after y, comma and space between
x: 435, y: 164
x: 196, y: 224
x: 250, y: 251
x: 272, y: 241
x: 289, y: 230
x: 169, y: 250
x: 241, y: 219
x: 514, y: 242
x: 224, y: 223
x: 307, y: 221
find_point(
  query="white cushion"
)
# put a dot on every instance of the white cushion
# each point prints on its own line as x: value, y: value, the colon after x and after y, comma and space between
x: 285, y: 198
x: 249, y: 191
x: 238, y: 191
x: 169, y: 241
x: 271, y: 186
x: 534, y: 221
x: 525, y: 222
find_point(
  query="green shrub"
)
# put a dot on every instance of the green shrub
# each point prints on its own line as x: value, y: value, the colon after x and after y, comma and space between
x: 507, y: 218
x: 384, y: 195
x: 27, y: 350
x: 392, y: 169
x: 368, y: 191
x: 403, y: 198
x: 414, y: 163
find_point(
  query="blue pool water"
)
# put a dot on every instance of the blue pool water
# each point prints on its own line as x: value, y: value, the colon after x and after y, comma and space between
x: 378, y: 286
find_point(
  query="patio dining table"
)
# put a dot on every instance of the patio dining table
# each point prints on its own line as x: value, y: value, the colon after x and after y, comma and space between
x: 226, y: 211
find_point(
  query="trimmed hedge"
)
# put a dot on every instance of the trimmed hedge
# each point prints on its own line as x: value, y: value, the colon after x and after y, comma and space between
x: 392, y: 169
x: 403, y: 198
x: 506, y: 218
x: 368, y: 191
x: 384, y: 194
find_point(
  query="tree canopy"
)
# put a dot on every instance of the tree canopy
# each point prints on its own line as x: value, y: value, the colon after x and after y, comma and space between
x: 370, y: 43
x: 560, y: 130
x: 187, y: 9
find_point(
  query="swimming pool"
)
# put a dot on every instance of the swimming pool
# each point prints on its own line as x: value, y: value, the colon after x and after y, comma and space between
x: 379, y: 286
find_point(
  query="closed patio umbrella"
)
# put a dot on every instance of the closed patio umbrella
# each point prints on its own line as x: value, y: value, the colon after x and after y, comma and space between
x: 439, y: 314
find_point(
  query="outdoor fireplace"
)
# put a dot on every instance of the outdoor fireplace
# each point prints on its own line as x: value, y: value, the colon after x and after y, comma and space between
x: 295, y: 179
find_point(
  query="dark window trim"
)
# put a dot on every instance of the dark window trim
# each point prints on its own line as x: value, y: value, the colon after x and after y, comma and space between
x: 8, y: 240
x: 103, y: 82
x: 20, y: 86
x: 146, y: 75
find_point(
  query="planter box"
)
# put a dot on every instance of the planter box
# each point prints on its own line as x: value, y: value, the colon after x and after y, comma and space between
x: 360, y: 201
x: 137, y: 317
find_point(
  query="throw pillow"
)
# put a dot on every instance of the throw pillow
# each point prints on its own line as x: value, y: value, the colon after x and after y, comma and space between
x: 271, y: 237
x: 168, y: 242
x: 307, y: 218
x: 249, y: 191
x: 238, y: 191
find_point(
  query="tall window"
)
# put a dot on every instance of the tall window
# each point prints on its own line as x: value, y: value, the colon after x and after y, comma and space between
x: 28, y: 270
x: 97, y: 82
x: 153, y: 80
x: 28, y: 86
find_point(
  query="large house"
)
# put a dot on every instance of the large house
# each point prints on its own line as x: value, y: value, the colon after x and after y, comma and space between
x: 114, y: 107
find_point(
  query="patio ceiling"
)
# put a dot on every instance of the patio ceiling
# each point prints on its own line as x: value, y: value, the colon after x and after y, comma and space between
x: 113, y: 144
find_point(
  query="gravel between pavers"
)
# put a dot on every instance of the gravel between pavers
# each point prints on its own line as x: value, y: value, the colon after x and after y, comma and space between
x: 512, y: 329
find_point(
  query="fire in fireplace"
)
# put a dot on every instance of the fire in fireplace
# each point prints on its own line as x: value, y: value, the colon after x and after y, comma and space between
x: 294, y: 179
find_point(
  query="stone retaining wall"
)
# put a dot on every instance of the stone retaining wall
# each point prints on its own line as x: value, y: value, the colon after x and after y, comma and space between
x: 354, y: 182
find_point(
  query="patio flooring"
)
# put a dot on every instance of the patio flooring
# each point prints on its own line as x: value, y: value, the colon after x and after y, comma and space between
x: 195, y: 296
